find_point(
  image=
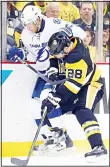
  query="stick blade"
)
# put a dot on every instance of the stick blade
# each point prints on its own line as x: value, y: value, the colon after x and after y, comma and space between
x: 19, y: 162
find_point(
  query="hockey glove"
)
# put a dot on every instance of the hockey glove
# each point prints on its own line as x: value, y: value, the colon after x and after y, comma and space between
x: 15, y: 52
x: 52, y: 74
x: 51, y: 102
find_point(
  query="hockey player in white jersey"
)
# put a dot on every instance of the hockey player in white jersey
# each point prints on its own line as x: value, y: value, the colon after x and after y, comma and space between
x: 35, y: 35
x: 37, y: 31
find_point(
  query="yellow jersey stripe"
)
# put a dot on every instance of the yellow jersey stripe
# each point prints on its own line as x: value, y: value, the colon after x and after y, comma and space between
x: 91, y: 94
x: 97, y: 75
x: 86, y: 124
x: 89, y: 129
x: 17, y: 38
x: 72, y: 87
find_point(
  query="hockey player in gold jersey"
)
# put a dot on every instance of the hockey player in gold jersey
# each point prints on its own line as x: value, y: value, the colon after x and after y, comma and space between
x: 81, y: 92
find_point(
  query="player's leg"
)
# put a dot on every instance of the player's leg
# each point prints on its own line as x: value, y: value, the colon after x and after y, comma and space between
x: 58, y: 138
x: 39, y: 85
x: 88, y: 99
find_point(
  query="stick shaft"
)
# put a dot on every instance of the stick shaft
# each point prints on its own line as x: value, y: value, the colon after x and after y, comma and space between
x: 37, y: 133
x: 20, y: 162
x: 41, y: 75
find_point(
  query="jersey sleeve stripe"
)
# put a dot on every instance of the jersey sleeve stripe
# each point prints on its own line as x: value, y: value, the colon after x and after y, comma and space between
x: 75, y: 82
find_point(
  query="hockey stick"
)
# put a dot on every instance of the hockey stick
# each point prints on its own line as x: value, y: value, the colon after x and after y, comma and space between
x: 40, y: 75
x: 20, y: 162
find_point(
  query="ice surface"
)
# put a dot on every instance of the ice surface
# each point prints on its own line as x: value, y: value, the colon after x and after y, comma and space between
x: 63, y: 158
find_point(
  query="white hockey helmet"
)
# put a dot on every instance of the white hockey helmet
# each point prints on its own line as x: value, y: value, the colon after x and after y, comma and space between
x: 30, y: 14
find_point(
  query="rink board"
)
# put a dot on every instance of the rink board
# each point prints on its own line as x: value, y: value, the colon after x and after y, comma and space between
x: 19, y: 111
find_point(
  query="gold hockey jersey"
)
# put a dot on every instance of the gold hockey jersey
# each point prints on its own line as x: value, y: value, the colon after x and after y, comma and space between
x: 79, y: 68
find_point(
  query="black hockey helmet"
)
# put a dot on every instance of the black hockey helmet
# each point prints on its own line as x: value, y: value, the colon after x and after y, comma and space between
x: 57, y: 42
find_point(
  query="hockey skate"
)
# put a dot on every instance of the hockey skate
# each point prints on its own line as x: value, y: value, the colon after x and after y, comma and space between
x: 98, y: 154
x: 59, y: 140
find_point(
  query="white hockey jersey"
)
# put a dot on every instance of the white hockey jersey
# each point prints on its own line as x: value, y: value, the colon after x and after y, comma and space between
x: 36, y: 43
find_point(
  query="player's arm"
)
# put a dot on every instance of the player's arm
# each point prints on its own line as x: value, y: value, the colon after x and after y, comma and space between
x: 69, y: 89
x: 70, y: 28
x: 76, y: 70
x: 15, y: 51
x: 74, y: 31
x: 77, y: 76
x: 52, y: 72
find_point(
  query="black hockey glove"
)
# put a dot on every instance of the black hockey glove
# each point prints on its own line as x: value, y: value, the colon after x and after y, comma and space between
x: 51, y: 102
x: 52, y: 74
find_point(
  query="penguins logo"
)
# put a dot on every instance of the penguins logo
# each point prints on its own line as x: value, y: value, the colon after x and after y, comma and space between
x: 54, y: 42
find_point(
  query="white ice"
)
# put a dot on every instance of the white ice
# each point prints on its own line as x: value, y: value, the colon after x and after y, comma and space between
x: 63, y: 158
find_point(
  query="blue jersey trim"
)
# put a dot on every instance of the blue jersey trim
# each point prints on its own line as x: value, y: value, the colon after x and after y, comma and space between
x: 43, y: 25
